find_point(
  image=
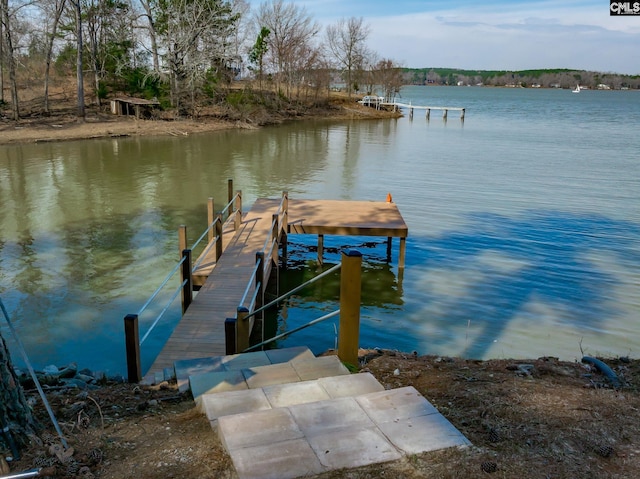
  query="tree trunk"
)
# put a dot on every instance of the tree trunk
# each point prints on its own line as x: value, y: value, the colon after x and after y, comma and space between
x: 79, y: 64
x: 15, y: 413
x: 9, y: 55
x: 51, y: 39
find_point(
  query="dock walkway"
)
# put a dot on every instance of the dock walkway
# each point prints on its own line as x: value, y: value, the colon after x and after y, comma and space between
x: 201, y: 331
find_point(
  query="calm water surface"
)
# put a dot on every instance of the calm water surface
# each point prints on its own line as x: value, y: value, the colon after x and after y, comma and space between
x: 524, y: 226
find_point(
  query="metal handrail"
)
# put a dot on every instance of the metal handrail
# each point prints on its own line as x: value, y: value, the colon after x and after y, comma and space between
x: 249, y: 284
x: 294, y: 330
x: 211, y: 225
x: 164, y: 283
x: 296, y: 289
x: 164, y: 310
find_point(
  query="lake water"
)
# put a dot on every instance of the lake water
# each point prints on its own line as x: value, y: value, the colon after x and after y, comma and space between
x: 524, y: 226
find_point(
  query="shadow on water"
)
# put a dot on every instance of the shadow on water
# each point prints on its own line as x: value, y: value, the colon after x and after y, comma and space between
x: 497, y: 267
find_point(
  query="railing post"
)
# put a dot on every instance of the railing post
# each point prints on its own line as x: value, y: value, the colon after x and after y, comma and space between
x: 350, y: 294
x: 210, y: 218
x: 238, y: 210
x: 284, y: 227
x: 243, y: 330
x: 218, y: 229
x: 230, y: 336
x: 275, y: 237
x: 132, y: 343
x: 182, y: 238
x: 260, y: 287
x: 186, y: 273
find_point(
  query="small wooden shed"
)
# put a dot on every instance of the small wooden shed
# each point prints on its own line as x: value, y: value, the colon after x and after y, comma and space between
x: 133, y: 106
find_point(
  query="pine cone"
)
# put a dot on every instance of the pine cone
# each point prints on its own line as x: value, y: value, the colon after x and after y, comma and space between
x: 489, y: 466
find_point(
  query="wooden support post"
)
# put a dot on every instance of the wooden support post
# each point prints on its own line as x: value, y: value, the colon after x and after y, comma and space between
x: 243, y: 329
x: 350, y: 295
x: 132, y: 342
x: 229, y: 190
x: 182, y: 239
x: 230, y: 336
x: 411, y: 113
x: 285, y: 227
x: 275, y: 238
x: 444, y: 114
x: 320, y: 249
x: 186, y: 273
x: 210, y: 218
x: 462, y: 114
x: 260, y: 283
x: 389, y: 244
x: 403, y: 251
x: 218, y: 228
x: 428, y: 113
x: 238, y: 211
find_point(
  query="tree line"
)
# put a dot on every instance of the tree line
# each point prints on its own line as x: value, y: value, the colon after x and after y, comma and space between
x: 184, y: 53
x: 544, y: 78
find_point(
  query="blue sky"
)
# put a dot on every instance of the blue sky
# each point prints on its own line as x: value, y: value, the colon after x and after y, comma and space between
x: 494, y: 34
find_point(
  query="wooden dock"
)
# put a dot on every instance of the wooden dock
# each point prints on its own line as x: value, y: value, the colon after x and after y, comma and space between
x: 378, y: 102
x: 201, y: 331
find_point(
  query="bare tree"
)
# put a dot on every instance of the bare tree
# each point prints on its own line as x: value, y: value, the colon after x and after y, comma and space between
x: 58, y: 8
x: 389, y: 76
x: 9, y: 54
x: 292, y: 34
x: 346, y: 41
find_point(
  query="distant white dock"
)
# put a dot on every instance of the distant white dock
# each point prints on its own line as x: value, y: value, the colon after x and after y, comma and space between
x: 376, y: 101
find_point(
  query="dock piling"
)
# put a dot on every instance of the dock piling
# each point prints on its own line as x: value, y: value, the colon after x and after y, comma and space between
x: 132, y: 343
x: 350, y: 295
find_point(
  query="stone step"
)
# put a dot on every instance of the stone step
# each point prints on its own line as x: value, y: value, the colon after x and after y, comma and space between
x: 192, y: 367
x: 301, y: 368
x: 314, y: 437
x: 274, y: 396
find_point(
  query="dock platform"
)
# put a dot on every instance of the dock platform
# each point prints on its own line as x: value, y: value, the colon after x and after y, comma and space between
x: 201, y: 331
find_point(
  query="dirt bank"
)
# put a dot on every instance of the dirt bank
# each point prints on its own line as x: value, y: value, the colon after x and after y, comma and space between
x: 542, y: 418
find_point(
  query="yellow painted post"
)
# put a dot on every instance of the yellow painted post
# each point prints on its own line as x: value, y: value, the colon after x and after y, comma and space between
x: 350, y: 294
x: 182, y: 239
x: 210, y: 218
x: 243, y: 329
x: 132, y: 344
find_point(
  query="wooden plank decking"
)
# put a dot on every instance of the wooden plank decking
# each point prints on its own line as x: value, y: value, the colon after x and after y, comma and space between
x: 200, y: 332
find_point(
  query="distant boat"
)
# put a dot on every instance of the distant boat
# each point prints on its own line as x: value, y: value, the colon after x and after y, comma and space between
x: 577, y: 90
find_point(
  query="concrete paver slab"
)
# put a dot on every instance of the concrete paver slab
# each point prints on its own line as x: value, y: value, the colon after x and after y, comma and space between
x: 423, y: 434
x: 258, y: 428
x: 353, y: 447
x: 319, y: 367
x: 351, y: 385
x: 210, y: 383
x: 395, y: 404
x: 191, y: 367
x: 262, y: 376
x: 327, y: 416
x: 228, y: 403
x: 245, y: 360
x: 284, y: 460
x: 282, y: 395
x: 289, y: 354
